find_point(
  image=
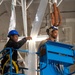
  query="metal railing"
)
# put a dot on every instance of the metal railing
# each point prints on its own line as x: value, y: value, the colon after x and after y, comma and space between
x: 9, y: 51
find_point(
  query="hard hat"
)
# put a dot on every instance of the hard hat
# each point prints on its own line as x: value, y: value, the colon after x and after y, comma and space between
x: 52, y: 28
x: 13, y: 32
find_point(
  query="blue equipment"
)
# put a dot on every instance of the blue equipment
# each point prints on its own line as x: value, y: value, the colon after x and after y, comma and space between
x: 56, y: 55
x: 11, y: 65
x: 55, y: 60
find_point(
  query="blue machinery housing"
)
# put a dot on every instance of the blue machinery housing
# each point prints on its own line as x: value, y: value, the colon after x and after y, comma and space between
x: 56, y: 59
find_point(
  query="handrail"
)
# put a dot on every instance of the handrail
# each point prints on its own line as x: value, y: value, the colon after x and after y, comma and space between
x: 20, y: 50
x: 5, y: 53
x: 27, y: 51
x: 10, y: 56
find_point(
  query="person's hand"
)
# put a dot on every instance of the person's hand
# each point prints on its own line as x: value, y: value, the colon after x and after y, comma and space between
x: 28, y: 38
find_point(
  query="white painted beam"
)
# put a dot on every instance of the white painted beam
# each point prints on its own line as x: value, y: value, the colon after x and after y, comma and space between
x: 59, y: 3
x: 24, y: 15
x: 38, y: 18
x: 12, y: 24
x: 54, y: 1
x: 29, y: 4
x: 32, y: 58
x: 1, y: 1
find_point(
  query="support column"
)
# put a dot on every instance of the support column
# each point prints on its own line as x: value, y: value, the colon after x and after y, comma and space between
x: 54, y: 1
x: 12, y: 24
x: 32, y: 58
x: 24, y: 15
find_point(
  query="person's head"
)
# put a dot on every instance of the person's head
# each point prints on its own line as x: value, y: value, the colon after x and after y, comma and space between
x: 52, y: 32
x: 13, y: 34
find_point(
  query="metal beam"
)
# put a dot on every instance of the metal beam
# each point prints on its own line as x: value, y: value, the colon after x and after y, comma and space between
x: 1, y: 2
x: 12, y: 24
x: 59, y: 3
x: 32, y: 58
x: 38, y: 18
x: 29, y: 4
x: 24, y: 15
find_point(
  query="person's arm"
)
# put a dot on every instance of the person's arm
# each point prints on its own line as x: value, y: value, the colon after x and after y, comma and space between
x: 18, y: 44
x: 21, y: 42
